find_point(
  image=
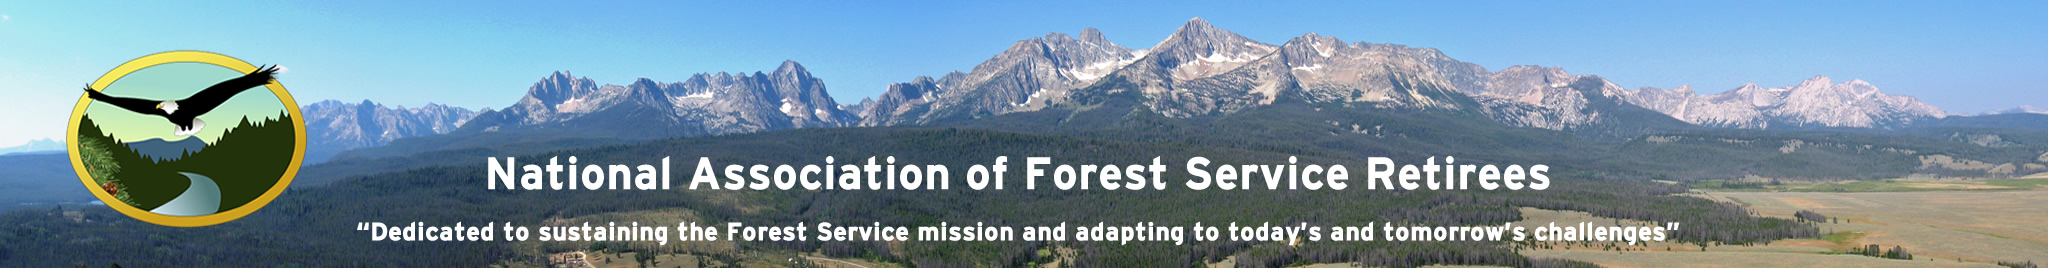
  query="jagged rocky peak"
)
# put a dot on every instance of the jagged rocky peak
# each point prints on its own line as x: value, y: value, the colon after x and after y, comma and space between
x: 1199, y: 50
x: 332, y: 126
x: 1311, y: 53
x: 706, y: 103
x: 792, y: 70
x: 900, y: 100
x: 1550, y: 97
x: 1526, y: 83
x: 558, y: 87
x: 921, y: 88
x: 1543, y: 97
x: 1391, y: 76
x: 1030, y: 75
x: 431, y: 118
x: 802, y: 96
x: 1093, y: 36
x: 644, y: 83
x: 1083, y: 59
x: 1529, y: 84
x: 1658, y: 98
x: 1533, y: 76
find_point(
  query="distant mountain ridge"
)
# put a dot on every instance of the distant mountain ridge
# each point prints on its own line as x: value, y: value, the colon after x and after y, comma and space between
x: 2022, y: 109
x: 334, y: 126
x: 159, y: 150
x: 35, y: 146
x: 1816, y: 102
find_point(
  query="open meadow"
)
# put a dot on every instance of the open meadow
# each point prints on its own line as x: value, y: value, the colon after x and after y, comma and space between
x: 1943, y: 223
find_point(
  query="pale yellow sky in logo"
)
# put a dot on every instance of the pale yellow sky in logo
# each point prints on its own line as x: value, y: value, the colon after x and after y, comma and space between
x: 177, y: 81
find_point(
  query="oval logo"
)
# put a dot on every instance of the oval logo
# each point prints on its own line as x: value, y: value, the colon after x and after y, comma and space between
x: 186, y: 138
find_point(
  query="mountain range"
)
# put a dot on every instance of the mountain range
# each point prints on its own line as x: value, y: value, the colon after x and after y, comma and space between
x: 705, y: 104
x: 1198, y: 71
x: 1816, y: 102
x: 161, y: 150
x: 335, y: 126
x: 1203, y: 70
x: 2023, y: 109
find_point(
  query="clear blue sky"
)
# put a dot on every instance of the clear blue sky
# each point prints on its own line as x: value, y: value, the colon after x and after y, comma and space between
x: 1965, y: 57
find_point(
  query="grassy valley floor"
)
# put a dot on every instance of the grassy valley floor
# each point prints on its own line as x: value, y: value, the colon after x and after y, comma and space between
x: 1943, y: 223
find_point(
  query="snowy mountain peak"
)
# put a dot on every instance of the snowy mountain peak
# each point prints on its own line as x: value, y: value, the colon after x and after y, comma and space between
x: 333, y: 126
x: 1031, y: 74
x: 1198, y: 34
x: 1307, y: 36
x: 1817, y: 80
x: 1857, y: 82
x: 1389, y: 76
x: 1320, y: 46
x: 1199, y: 50
x: 1814, y: 102
x: 706, y: 103
x: 1748, y: 87
x: 902, y: 103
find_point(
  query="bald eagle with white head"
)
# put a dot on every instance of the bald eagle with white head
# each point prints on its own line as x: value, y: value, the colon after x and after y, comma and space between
x: 184, y: 113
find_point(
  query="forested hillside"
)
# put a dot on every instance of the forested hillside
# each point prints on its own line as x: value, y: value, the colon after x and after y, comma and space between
x: 313, y: 226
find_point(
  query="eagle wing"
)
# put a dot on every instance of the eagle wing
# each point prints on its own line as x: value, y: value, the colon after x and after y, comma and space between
x: 141, y: 106
x: 205, y: 100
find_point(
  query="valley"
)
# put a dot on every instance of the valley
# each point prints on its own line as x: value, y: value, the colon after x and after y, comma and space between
x: 1943, y: 226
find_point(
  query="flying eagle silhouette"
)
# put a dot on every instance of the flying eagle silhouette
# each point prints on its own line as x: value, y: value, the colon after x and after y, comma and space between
x: 185, y: 112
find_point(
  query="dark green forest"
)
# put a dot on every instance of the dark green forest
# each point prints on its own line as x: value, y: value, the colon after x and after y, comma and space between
x: 245, y: 162
x: 313, y: 226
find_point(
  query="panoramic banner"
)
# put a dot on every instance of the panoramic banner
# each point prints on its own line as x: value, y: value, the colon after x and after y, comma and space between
x: 1023, y: 134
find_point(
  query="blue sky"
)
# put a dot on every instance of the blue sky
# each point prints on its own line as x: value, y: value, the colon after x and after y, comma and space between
x: 1965, y: 57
